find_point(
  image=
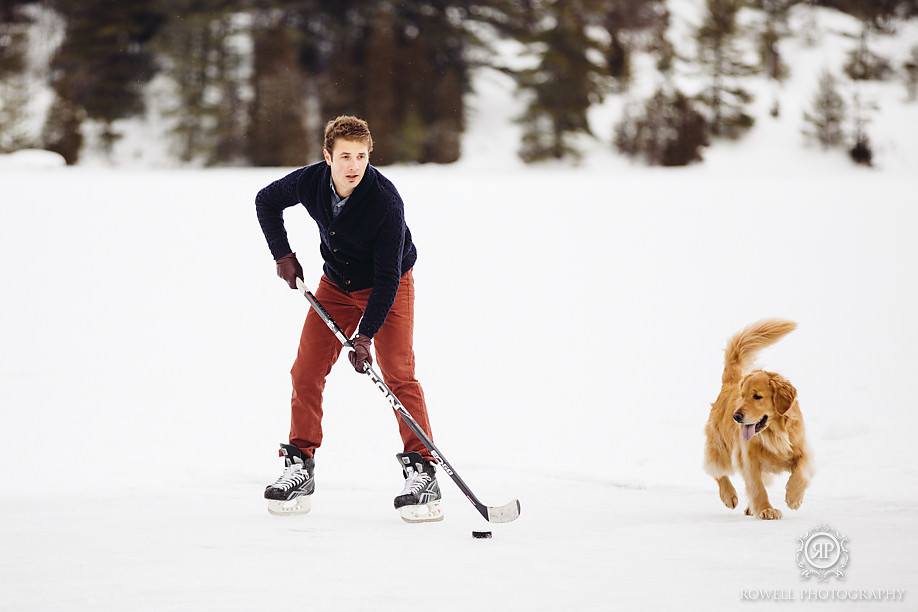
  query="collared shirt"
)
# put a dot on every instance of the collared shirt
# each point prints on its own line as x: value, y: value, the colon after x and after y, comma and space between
x: 337, y: 201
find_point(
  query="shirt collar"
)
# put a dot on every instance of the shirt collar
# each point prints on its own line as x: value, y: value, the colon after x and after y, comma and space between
x: 337, y: 201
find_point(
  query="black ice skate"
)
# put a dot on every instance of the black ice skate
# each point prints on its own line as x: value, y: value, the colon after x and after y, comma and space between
x: 419, y: 501
x: 290, y: 493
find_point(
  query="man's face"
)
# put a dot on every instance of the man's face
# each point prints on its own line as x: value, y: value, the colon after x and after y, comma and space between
x: 348, y: 161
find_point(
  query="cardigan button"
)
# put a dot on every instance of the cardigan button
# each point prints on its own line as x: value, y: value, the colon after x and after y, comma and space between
x: 331, y: 233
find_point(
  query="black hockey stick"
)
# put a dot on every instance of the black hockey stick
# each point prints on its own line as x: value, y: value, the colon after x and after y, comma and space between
x: 494, y: 514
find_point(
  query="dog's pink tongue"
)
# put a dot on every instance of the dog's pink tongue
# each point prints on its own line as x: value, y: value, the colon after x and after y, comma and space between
x: 748, y: 432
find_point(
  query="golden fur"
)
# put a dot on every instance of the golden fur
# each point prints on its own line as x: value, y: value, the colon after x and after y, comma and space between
x: 755, y: 426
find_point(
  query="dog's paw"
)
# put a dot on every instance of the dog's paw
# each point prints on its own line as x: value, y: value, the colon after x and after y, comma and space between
x: 770, y: 514
x: 748, y: 511
x: 728, y: 495
x: 793, y: 504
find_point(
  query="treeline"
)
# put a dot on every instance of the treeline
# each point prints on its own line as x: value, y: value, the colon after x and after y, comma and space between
x: 251, y: 82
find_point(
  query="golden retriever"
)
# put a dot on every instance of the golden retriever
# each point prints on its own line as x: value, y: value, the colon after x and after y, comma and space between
x: 755, y: 426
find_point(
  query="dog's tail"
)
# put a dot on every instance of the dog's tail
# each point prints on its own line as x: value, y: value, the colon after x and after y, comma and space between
x: 745, y: 345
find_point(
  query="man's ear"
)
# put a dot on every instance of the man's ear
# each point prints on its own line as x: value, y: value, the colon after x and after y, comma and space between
x: 783, y: 393
x: 327, y: 156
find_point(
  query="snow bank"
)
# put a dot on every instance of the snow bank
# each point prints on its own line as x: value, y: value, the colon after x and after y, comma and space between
x: 33, y: 159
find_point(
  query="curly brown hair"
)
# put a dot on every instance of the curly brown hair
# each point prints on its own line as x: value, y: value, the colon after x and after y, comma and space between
x: 347, y: 127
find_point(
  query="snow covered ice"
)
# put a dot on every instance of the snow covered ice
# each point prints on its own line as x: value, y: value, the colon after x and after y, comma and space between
x: 570, y: 332
x: 569, y: 354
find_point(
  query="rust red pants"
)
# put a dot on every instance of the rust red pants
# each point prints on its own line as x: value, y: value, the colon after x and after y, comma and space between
x: 319, y: 350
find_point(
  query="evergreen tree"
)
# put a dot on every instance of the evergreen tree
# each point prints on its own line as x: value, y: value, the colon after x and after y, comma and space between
x: 434, y: 73
x: 720, y: 57
x: 865, y: 65
x: 384, y: 105
x: 13, y: 93
x: 62, y: 131
x: 910, y: 67
x: 402, y: 66
x: 333, y: 53
x: 625, y: 20
x: 12, y: 38
x: 879, y: 15
x: 201, y: 56
x: 667, y: 131
x: 231, y: 113
x: 105, y: 61
x: 775, y: 28
x: 566, y: 81
x: 861, y: 152
x: 277, y: 132
x: 826, y: 117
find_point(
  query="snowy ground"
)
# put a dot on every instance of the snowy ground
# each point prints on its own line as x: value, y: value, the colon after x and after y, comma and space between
x: 569, y: 335
x: 570, y: 332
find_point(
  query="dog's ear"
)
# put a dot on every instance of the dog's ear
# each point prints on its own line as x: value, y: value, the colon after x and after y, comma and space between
x: 783, y: 393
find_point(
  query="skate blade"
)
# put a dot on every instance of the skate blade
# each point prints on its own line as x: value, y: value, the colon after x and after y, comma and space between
x: 422, y: 513
x: 297, y: 505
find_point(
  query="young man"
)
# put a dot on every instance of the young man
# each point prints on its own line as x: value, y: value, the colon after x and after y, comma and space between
x: 367, y: 287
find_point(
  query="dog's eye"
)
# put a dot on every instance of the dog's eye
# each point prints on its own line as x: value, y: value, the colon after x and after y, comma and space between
x: 756, y: 396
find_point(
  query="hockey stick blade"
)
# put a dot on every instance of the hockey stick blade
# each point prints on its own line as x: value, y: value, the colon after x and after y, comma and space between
x: 504, y: 514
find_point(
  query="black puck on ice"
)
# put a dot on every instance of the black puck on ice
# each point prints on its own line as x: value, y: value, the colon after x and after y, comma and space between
x: 481, y: 535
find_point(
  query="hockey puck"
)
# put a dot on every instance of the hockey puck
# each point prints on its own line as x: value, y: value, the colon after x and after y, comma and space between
x: 481, y: 535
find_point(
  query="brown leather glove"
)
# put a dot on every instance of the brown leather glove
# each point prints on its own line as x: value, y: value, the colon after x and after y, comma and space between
x: 289, y: 269
x: 361, y: 352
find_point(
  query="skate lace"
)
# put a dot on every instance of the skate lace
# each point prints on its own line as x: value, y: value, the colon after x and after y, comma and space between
x: 293, y: 476
x: 415, y: 482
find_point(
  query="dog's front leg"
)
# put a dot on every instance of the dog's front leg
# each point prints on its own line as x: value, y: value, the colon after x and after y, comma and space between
x: 797, y: 483
x: 759, y: 505
x: 727, y: 492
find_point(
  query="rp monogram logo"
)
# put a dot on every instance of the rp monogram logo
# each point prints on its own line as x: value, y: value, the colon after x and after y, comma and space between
x: 822, y: 553
x: 822, y: 550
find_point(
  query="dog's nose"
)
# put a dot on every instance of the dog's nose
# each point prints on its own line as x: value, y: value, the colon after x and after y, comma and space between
x: 738, y: 417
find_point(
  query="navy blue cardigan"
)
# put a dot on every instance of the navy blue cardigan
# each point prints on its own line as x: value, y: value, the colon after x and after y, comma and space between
x: 367, y: 246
